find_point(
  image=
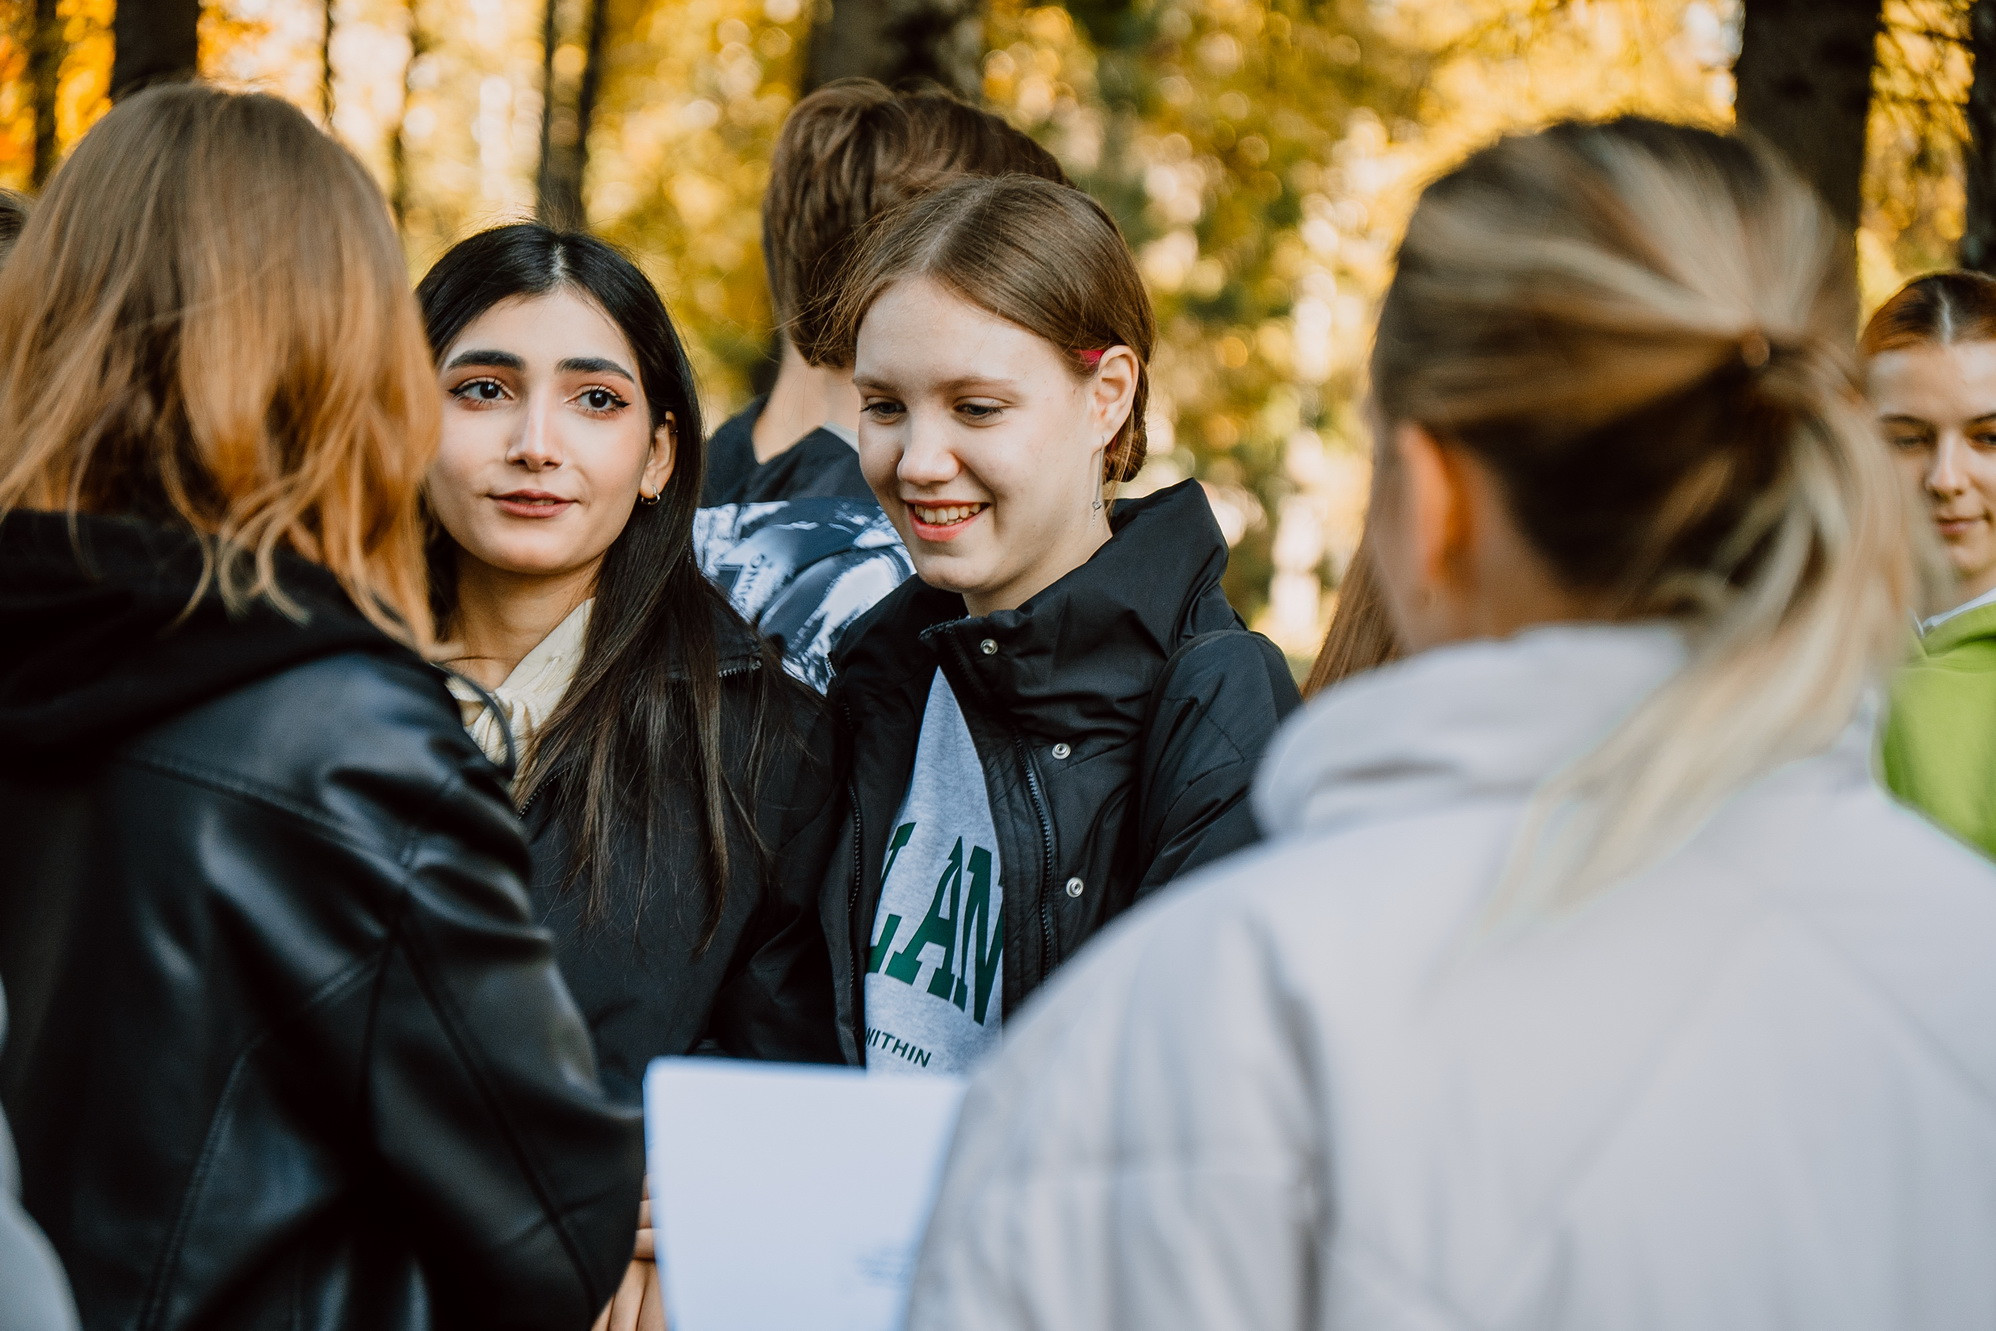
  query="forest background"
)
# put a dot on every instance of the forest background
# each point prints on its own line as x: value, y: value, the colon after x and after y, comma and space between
x: 1261, y: 156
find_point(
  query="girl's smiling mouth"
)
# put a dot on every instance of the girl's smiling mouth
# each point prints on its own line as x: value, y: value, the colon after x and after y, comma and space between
x: 943, y: 522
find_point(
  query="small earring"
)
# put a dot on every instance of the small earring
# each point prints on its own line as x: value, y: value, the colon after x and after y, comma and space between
x: 644, y: 498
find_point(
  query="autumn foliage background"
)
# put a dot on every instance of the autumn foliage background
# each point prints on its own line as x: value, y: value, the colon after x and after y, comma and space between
x: 1261, y: 156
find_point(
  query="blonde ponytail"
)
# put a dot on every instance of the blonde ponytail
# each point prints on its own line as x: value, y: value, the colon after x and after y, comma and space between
x: 1645, y: 331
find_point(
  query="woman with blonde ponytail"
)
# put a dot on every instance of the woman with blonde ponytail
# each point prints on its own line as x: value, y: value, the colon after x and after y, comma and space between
x: 1586, y: 980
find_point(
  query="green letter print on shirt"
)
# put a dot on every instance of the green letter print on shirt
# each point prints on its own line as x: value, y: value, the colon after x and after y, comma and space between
x: 957, y: 923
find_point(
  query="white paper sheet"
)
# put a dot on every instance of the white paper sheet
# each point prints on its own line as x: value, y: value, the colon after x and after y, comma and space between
x: 790, y: 1197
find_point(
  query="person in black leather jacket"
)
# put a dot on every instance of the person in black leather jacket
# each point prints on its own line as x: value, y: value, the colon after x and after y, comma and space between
x: 676, y: 781
x: 1112, y: 705
x: 288, y: 1048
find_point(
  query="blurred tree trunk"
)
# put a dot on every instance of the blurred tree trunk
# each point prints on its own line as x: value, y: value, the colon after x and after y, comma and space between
x: 153, y: 41
x: 568, y: 105
x: 1978, y: 237
x: 45, y: 48
x: 899, y: 42
x: 398, y: 143
x: 1804, y: 80
x: 326, y: 66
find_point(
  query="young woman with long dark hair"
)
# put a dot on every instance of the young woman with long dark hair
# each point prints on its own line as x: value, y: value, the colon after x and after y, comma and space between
x: 673, y: 777
x: 1060, y: 712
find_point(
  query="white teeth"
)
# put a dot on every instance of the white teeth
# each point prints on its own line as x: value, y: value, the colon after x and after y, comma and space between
x: 944, y: 517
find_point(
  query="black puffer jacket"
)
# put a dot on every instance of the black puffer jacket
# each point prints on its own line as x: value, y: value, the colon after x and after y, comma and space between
x: 761, y: 987
x: 288, y: 1049
x: 1106, y: 779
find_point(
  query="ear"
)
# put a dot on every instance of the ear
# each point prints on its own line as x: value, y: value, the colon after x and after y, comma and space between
x: 1436, y: 506
x: 1113, y: 393
x: 663, y: 458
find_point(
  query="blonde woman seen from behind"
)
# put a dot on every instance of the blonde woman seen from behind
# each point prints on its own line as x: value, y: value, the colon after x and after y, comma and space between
x: 1586, y: 979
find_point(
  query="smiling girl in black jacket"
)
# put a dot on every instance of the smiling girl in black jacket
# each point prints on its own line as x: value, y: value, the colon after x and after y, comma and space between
x: 1060, y: 712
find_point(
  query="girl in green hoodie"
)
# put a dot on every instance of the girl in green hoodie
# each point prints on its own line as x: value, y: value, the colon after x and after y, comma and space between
x: 1930, y: 369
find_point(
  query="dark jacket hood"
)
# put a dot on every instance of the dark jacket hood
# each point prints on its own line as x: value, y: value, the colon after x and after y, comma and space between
x: 100, y: 642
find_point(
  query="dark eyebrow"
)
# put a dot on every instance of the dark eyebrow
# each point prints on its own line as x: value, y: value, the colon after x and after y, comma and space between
x: 491, y: 360
x: 594, y: 365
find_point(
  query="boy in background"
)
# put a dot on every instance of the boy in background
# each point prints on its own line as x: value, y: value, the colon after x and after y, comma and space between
x: 847, y: 153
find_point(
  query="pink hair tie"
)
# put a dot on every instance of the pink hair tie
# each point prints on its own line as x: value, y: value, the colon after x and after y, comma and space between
x: 1091, y: 358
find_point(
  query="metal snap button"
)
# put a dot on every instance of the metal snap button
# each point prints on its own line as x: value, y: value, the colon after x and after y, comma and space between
x: 989, y: 647
x: 1061, y: 750
x: 1074, y: 887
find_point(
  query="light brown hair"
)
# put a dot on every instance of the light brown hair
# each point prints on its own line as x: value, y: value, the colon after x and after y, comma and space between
x: 851, y: 151
x: 1040, y: 255
x: 1360, y: 636
x: 1954, y: 305
x: 207, y: 322
x: 14, y: 210
x: 1644, y: 331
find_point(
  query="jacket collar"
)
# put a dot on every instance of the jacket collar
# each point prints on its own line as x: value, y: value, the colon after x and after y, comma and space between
x: 1081, y: 655
x: 1479, y: 719
x: 1955, y: 630
x: 737, y: 646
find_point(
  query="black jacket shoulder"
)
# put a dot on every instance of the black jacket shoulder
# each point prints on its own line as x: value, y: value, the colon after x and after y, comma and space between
x: 821, y: 465
x: 400, y: 752
x: 289, y: 1047
x: 1209, y: 723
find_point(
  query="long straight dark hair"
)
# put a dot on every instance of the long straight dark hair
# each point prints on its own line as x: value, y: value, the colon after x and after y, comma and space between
x: 644, y: 710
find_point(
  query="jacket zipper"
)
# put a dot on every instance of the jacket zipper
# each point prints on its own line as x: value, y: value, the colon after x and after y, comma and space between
x: 858, y: 858
x: 1046, y: 863
x: 858, y: 955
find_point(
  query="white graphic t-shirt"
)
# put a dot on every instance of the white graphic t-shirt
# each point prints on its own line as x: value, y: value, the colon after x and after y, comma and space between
x: 935, y: 971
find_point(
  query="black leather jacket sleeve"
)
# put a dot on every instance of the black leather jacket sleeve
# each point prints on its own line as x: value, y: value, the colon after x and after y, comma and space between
x: 505, y: 1162
x: 1215, y: 710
